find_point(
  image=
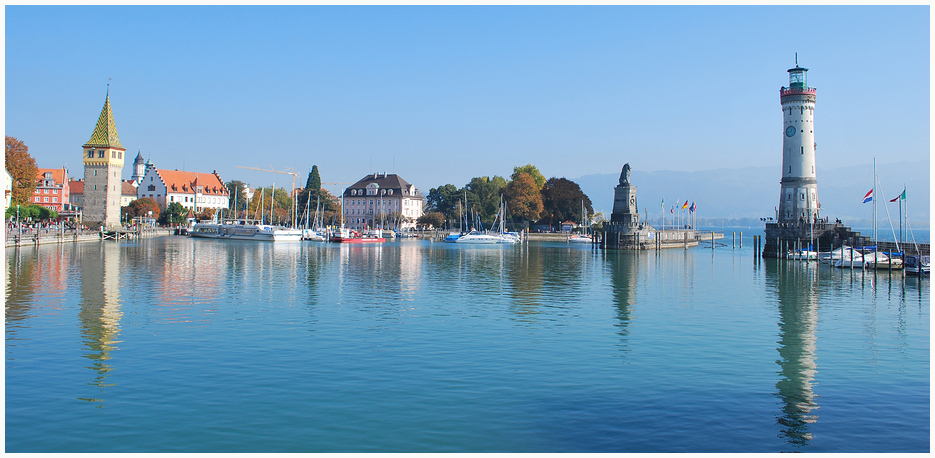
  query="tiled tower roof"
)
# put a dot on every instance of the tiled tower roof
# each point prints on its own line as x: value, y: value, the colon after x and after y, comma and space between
x: 105, y: 132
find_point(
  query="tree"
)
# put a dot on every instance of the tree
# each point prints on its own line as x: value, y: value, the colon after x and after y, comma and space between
x: 236, y: 189
x: 22, y: 168
x: 444, y: 199
x: 483, y: 196
x: 281, y: 209
x: 434, y: 219
x: 174, y: 214
x: 561, y: 199
x: 533, y: 172
x: 312, y: 194
x: 523, y: 198
x: 141, y: 208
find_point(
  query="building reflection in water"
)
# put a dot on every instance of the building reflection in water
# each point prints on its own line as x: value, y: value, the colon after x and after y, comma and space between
x: 99, y: 315
x: 796, y: 291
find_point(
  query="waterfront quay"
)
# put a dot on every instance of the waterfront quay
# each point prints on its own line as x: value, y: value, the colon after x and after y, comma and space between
x: 44, y: 236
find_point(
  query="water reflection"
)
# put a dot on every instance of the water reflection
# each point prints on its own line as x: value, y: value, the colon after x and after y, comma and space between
x: 796, y: 291
x: 99, y: 314
x: 624, y: 267
x: 384, y: 278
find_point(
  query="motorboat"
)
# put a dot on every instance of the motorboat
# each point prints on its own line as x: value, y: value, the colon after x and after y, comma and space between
x: 835, y: 255
x: 480, y: 238
x: 580, y: 238
x: 313, y: 235
x: 205, y: 230
x: 917, y: 265
x: 804, y: 255
x: 245, y: 229
x: 880, y: 261
x: 348, y: 236
x: 850, y: 259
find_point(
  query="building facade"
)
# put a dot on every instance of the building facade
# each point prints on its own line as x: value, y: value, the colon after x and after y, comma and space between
x: 382, y: 201
x: 103, y: 168
x: 52, y: 189
x: 193, y: 190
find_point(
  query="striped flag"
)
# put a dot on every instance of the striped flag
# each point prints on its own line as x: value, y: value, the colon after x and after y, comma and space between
x: 901, y: 196
x: 685, y: 205
x: 692, y: 208
x: 868, y: 197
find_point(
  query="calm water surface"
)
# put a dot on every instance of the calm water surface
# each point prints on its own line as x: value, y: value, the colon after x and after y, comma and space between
x: 180, y: 345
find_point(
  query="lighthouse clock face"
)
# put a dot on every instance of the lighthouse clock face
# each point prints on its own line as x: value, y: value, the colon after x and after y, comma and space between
x: 790, y: 131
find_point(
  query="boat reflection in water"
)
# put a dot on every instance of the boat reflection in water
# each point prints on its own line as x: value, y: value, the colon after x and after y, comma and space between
x: 796, y: 291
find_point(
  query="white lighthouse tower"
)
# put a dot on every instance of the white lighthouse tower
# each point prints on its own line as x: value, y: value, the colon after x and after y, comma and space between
x: 799, y: 194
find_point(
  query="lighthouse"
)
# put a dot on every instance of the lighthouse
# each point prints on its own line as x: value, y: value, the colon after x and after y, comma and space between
x: 798, y: 225
x: 799, y: 193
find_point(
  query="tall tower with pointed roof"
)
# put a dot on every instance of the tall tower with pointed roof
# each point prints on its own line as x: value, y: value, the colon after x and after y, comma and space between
x: 103, y: 170
x: 139, y: 169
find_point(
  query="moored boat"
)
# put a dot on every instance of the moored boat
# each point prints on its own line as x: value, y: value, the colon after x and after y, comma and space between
x: 205, y: 230
x: 917, y: 265
x: 245, y: 229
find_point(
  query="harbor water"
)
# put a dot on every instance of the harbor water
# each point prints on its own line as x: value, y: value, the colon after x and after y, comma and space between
x: 173, y: 344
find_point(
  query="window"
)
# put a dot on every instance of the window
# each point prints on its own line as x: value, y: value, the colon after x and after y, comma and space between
x: 55, y: 199
x: 95, y: 174
x: 45, y: 190
x: 152, y: 187
x: 100, y: 154
x: 119, y: 154
x: 37, y: 199
x: 90, y: 154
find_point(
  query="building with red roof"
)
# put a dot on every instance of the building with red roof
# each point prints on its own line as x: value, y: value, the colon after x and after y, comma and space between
x: 52, y: 189
x: 197, y: 191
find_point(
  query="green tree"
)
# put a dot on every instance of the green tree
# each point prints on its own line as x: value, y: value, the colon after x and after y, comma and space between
x: 22, y: 168
x: 533, y: 172
x: 483, y: 196
x: 524, y: 201
x: 434, y: 219
x: 444, y: 199
x: 236, y: 189
x: 174, y: 214
x: 561, y: 199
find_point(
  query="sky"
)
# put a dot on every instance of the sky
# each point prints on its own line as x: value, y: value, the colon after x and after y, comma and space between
x: 442, y: 94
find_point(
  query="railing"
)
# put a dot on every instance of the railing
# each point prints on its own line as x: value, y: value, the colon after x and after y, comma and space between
x: 795, y: 91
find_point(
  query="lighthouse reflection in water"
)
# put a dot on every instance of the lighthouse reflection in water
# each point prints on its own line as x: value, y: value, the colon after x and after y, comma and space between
x: 180, y: 345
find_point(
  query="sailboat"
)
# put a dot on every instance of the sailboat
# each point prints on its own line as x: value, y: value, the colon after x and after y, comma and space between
x: 585, y: 237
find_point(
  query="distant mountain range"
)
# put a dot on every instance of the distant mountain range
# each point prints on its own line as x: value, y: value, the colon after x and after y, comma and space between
x: 753, y: 192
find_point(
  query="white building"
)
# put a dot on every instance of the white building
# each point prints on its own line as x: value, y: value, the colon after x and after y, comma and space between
x: 382, y: 201
x: 197, y: 191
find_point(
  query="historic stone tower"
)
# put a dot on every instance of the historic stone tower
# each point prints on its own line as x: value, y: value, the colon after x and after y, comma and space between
x: 103, y: 169
x: 799, y: 194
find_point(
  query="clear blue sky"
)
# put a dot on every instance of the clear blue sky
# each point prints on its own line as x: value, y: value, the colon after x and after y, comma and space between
x: 450, y: 93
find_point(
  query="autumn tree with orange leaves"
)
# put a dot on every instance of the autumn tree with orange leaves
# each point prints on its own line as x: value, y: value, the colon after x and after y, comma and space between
x: 22, y: 167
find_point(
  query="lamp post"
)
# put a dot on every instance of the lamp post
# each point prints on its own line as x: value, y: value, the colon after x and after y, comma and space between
x: 19, y: 227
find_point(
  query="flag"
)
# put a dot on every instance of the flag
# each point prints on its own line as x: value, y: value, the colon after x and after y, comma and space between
x: 663, y: 204
x: 868, y: 197
x: 672, y: 210
x: 901, y: 196
x: 685, y: 205
x: 692, y: 208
